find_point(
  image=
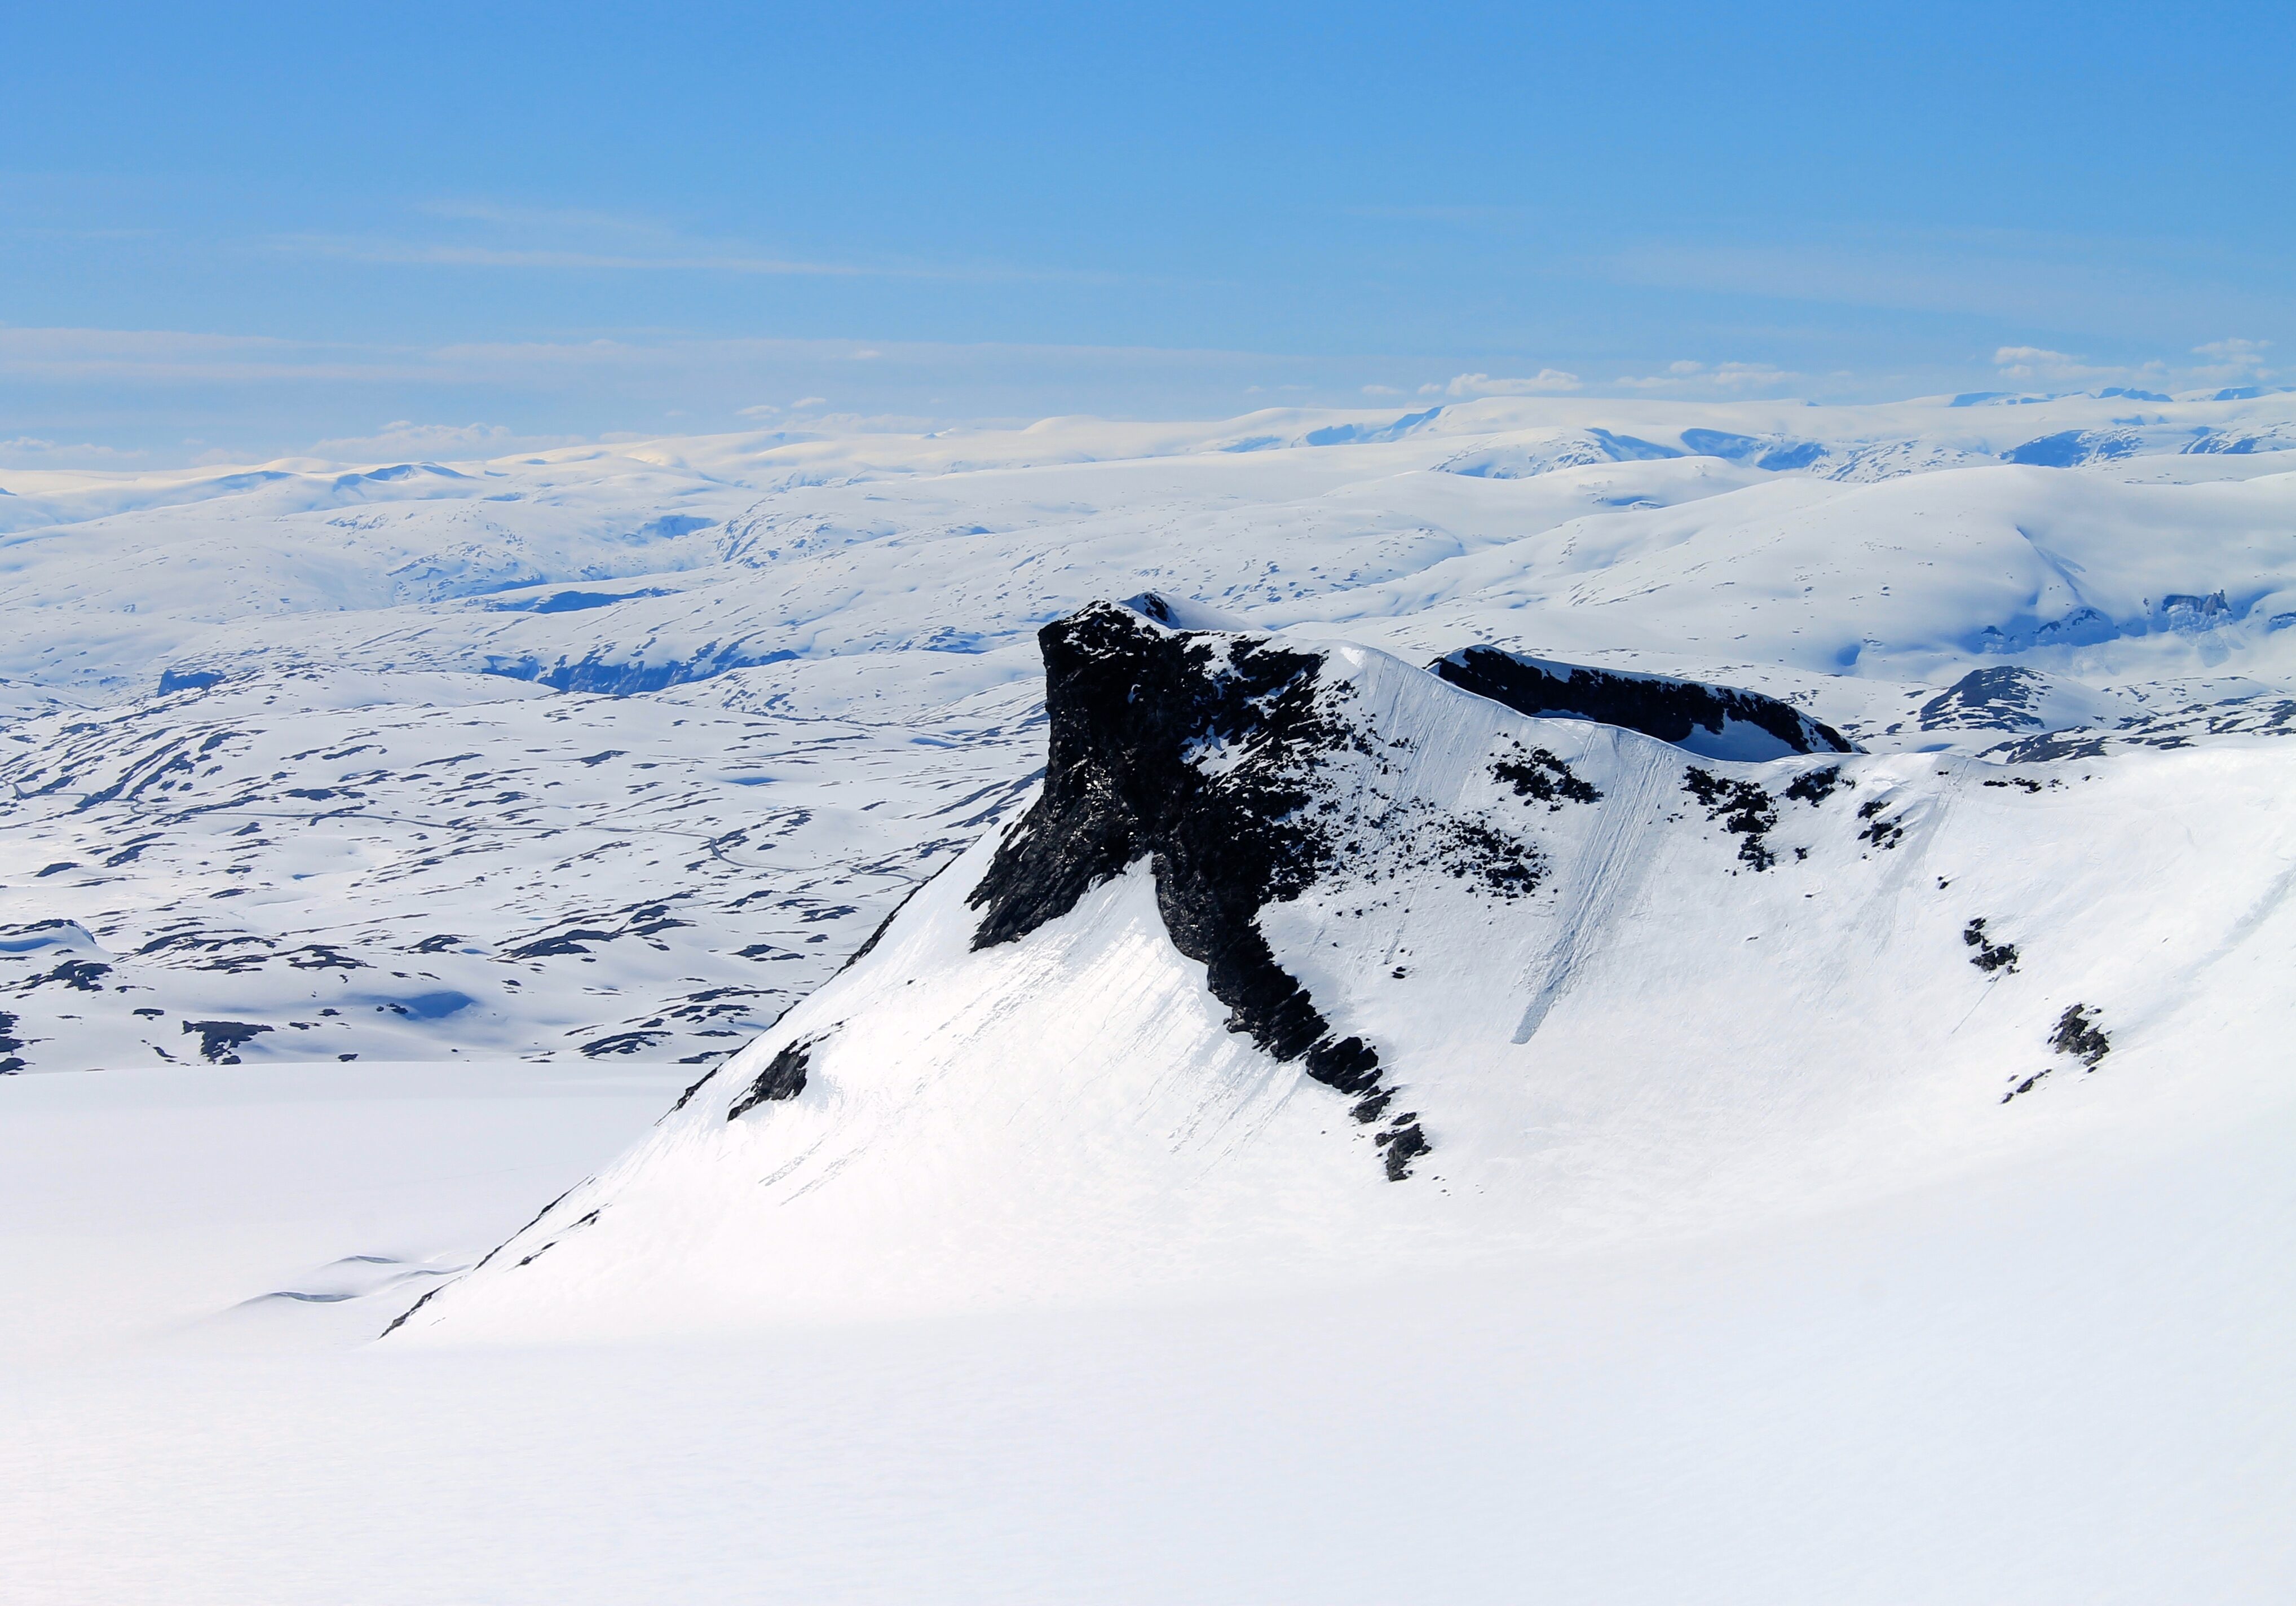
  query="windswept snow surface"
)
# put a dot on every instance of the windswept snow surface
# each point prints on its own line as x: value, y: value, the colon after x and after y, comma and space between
x: 1829, y: 1176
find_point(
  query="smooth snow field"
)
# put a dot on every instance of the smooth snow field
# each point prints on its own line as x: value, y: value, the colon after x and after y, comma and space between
x: 963, y: 1018
x: 2059, y: 1382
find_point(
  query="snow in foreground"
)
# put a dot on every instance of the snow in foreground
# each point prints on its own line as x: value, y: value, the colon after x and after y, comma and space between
x: 2049, y: 1383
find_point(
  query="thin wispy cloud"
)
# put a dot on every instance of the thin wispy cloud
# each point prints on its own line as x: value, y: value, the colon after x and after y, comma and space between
x: 164, y: 357
x: 403, y: 438
x: 556, y: 390
x: 2040, y: 363
x: 2233, y: 362
x: 485, y: 234
x: 1439, y: 214
x: 411, y: 253
x: 513, y: 215
x: 646, y: 379
x: 1685, y: 377
x: 1546, y: 381
x: 31, y: 452
x: 2043, y: 280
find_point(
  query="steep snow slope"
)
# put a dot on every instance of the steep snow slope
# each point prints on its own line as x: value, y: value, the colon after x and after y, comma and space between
x: 1305, y: 962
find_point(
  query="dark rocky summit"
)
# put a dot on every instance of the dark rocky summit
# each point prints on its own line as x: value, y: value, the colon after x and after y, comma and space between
x: 1128, y: 704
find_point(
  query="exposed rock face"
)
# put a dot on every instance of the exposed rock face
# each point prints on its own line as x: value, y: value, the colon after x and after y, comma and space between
x: 783, y: 1077
x: 1217, y: 757
x: 2001, y: 698
x: 1134, y: 713
x: 1688, y: 713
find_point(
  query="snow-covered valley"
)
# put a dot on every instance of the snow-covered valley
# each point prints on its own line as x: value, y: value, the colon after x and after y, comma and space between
x: 1177, y: 998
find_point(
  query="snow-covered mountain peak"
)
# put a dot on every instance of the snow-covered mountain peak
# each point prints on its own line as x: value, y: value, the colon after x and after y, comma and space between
x: 1304, y: 962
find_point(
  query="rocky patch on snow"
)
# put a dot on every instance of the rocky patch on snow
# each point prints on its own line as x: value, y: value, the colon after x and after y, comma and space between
x: 1990, y: 956
x: 2077, y: 1036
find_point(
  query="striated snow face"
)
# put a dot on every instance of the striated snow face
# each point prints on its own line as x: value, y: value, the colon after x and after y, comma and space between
x: 1424, y: 980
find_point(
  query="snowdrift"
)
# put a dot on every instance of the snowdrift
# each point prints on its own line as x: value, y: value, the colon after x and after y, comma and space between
x: 1305, y: 964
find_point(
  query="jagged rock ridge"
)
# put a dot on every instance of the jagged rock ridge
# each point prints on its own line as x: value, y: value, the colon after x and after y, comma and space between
x: 1719, y: 722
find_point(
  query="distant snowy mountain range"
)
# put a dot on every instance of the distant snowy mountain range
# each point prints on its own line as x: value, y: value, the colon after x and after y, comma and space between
x: 623, y: 750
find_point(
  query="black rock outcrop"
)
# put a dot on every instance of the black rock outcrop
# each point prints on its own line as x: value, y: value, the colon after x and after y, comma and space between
x: 783, y: 1077
x: 1656, y: 705
x: 1129, y: 704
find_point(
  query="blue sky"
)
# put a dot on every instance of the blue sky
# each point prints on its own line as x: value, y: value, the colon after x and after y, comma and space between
x: 247, y: 230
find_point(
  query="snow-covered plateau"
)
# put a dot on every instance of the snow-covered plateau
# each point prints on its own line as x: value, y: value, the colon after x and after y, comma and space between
x: 1529, y: 999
